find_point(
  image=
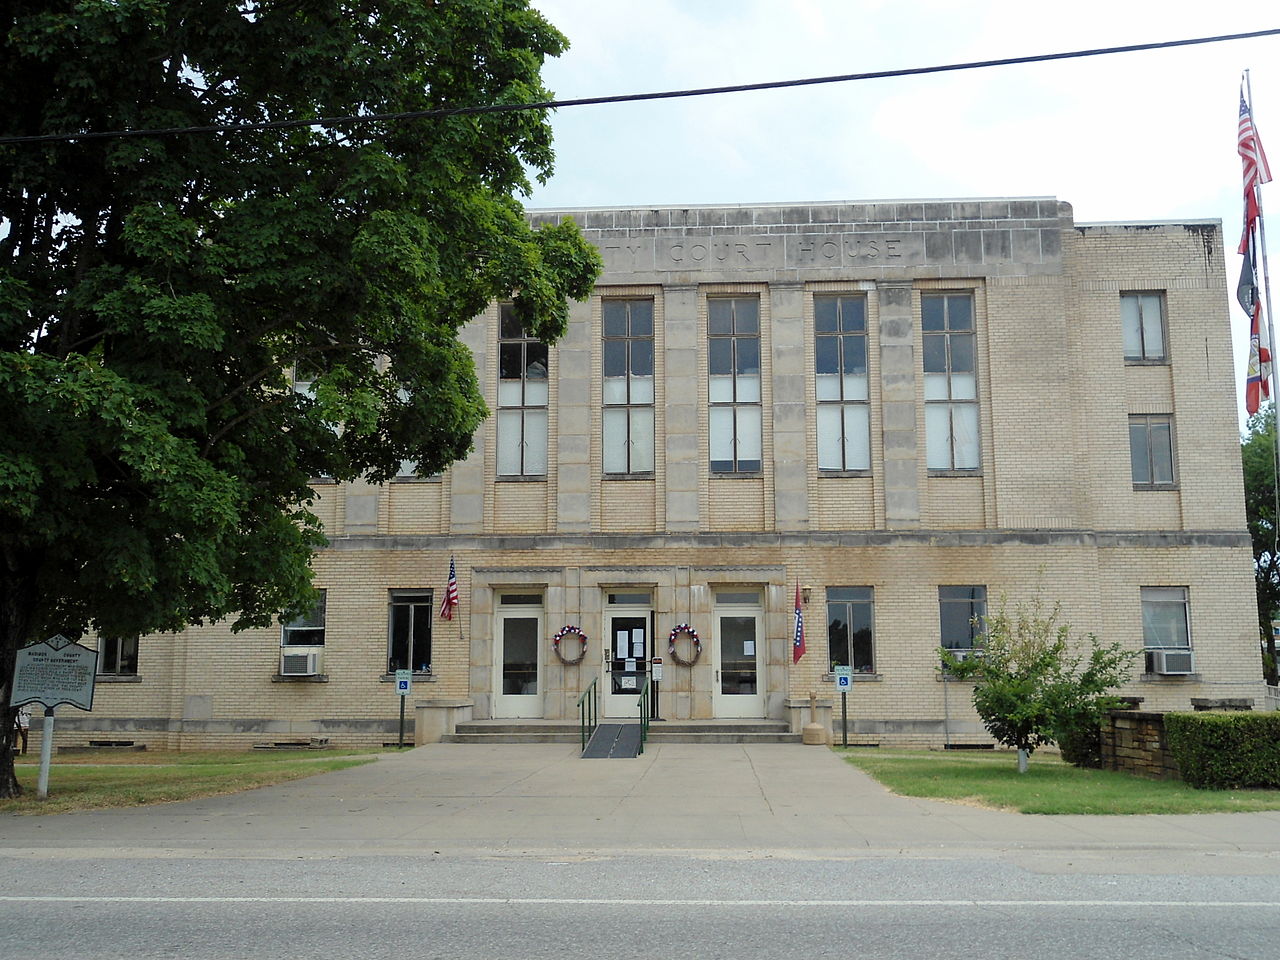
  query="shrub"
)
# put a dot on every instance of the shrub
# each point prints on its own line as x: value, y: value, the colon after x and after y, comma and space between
x: 1031, y: 690
x: 1225, y: 751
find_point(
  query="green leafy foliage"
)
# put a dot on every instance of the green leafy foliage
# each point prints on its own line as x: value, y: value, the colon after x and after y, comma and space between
x: 1031, y: 688
x: 158, y: 292
x: 1258, y: 457
x: 1225, y: 751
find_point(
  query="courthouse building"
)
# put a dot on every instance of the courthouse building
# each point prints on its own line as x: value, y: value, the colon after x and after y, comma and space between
x: 901, y: 411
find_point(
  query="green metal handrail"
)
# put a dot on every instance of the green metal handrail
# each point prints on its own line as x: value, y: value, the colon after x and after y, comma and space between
x: 646, y: 713
x: 589, y: 711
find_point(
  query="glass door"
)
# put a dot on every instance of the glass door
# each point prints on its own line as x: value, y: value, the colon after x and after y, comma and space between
x: 738, y: 690
x: 517, y: 680
x: 627, y: 651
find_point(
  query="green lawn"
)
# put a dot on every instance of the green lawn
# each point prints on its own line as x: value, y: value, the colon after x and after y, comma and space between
x: 1049, y: 786
x: 136, y: 778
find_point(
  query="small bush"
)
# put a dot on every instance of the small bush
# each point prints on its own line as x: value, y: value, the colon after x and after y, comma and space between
x: 1226, y: 751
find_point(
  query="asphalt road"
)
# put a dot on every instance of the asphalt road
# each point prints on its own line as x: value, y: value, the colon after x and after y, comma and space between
x: 624, y: 907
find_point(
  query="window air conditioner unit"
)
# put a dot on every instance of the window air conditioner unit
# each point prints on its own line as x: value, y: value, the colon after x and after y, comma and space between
x: 967, y: 653
x: 299, y: 661
x: 1173, y: 662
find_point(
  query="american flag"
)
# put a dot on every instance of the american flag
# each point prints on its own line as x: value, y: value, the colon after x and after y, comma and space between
x: 450, y: 593
x: 797, y: 647
x: 1255, y: 167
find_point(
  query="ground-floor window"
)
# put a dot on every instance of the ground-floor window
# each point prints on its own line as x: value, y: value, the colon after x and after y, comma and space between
x: 409, y: 631
x: 961, y: 610
x: 118, y: 656
x: 849, y: 628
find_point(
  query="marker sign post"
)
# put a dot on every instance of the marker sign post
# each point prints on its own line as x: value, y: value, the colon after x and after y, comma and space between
x: 404, y: 685
x: 844, y: 682
x: 50, y: 673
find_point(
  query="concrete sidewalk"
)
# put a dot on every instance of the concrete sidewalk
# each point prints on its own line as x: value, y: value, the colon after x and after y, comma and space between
x: 726, y: 800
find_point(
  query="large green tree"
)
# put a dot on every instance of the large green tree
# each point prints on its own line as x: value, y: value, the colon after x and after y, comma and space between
x: 1258, y: 456
x: 157, y: 291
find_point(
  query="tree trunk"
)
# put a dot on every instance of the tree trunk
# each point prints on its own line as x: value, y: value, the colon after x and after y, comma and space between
x: 17, y: 584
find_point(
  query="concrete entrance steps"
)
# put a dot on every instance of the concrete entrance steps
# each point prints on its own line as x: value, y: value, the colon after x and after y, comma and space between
x: 660, y: 731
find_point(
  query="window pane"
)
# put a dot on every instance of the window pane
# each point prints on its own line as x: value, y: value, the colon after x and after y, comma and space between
x: 642, y: 318
x: 959, y: 313
x: 398, y: 653
x: 748, y: 355
x: 1139, y: 459
x: 964, y: 426
x: 828, y: 386
x: 748, y: 388
x: 642, y: 440
x: 721, y: 426
x: 642, y: 389
x: 857, y: 437
x: 964, y: 386
x: 935, y: 353
x: 749, y: 439
x: 535, y: 361
x: 824, y: 315
x: 509, y: 424
x: 746, y: 316
x: 855, y: 354
x: 421, y: 633
x: 931, y: 313
x: 509, y: 327
x: 720, y: 389
x: 855, y: 386
x: 642, y: 358
x: 615, y: 390
x: 614, y: 358
x: 937, y: 432
x: 510, y: 361
x: 615, y: 441
x: 1161, y: 452
x: 838, y: 634
x: 720, y: 316
x: 826, y: 355
x: 962, y: 353
x: 614, y: 315
x: 510, y: 393
x: 830, y: 442
x: 535, y: 393
x: 1131, y: 325
x: 535, y: 442
x: 519, y: 655
x: 1152, y: 328
x: 1164, y: 617
x: 720, y: 356
x: 853, y: 314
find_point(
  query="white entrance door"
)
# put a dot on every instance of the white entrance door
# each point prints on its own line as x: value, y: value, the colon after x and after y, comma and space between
x: 739, y: 662
x: 627, y: 649
x: 517, y: 681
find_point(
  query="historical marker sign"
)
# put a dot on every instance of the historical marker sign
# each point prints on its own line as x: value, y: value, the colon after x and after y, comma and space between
x: 53, y: 672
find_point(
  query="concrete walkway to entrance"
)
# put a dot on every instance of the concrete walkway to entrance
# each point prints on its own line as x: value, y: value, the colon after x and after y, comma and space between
x: 715, y: 800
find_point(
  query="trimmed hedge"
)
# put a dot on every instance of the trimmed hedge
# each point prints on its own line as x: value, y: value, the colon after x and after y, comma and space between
x: 1226, y: 751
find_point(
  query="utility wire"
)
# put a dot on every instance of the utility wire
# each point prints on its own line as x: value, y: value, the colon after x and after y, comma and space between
x: 628, y: 98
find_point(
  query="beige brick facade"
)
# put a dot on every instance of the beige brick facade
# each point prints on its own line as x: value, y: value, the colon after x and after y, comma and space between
x: 1051, y: 505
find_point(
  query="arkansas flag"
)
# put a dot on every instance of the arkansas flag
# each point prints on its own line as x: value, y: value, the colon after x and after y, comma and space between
x: 797, y: 646
x: 1257, y: 384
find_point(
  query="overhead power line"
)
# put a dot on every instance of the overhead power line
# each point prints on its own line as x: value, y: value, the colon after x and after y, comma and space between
x: 630, y: 97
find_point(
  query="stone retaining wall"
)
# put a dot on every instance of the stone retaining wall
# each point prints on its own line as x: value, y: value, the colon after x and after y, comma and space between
x: 1134, y: 741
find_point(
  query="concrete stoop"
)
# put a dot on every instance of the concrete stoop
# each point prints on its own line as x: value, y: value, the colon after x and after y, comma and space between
x: 661, y: 731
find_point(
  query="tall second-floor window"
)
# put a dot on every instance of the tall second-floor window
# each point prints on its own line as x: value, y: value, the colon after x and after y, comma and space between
x: 522, y: 400
x: 733, y: 385
x: 840, y: 364
x: 1142, y: 322
x: 628, y: 386
x: 950, y: 382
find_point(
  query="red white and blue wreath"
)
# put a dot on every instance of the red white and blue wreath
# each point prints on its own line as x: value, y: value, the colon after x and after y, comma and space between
x: 564, y: 632
x: 692, y: 634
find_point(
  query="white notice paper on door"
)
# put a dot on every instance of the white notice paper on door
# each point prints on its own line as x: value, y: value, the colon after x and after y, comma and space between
x: 748, y: 648
x: 620, y: 644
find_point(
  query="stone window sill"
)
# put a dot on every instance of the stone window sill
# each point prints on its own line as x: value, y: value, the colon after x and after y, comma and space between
x: 418, y: 677
x: 857, y: 677
x: 117, y: 678
x: 314, y: 678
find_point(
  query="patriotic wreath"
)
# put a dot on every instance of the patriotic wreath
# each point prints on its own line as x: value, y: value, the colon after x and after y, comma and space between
x: 564, y: 632
x: 676, y: 631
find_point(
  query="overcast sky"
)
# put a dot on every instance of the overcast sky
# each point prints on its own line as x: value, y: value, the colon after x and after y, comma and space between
x: 1139, y: 136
